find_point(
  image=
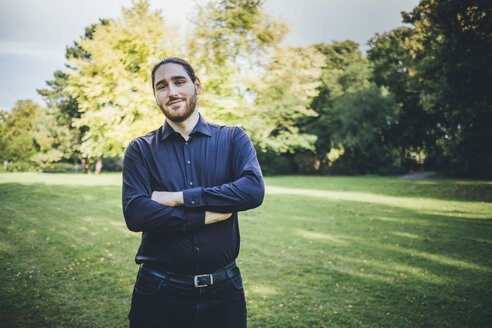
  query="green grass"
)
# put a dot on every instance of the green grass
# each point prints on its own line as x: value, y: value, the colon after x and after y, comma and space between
x: 320, y: 252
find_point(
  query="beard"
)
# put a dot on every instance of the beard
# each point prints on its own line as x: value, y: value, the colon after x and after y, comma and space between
x: 181, y: 114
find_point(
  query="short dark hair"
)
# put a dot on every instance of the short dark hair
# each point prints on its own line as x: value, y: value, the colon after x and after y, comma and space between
x: 175, y: 60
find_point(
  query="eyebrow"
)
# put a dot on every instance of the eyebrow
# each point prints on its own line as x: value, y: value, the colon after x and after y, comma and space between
x: 173, y: 78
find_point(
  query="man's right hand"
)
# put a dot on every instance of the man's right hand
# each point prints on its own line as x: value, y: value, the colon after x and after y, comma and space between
x: 212, y: 217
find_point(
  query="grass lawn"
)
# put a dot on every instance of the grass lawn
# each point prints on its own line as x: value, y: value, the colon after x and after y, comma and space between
x: 320, y: 252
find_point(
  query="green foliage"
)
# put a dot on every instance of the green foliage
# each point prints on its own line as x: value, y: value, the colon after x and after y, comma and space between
x: 21, y: 166
x: 283, y: 98
x: 415, y: 128
x: 361, y: 117
x: 227, y: 31
x: 63, y: 108
x: 452, y: 44
x: 113, y: 88
x: 361, y: 121
x: 17, y: 140
x: 53, y: 139
x: 113, y: 163
x: 273, y: 163
x: 250, y: 79
x: 353, y: 113
x: 31, y: 133
x: 421, y: 95
x: 56, y: 96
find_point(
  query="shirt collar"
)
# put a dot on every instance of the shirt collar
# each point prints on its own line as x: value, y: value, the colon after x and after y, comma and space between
x: 201, y: 126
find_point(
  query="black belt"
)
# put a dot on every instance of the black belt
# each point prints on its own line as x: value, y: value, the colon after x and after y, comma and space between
x: 200, y: 280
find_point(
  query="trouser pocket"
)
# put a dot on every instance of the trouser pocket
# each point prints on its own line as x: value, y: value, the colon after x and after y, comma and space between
x: 147, y: 283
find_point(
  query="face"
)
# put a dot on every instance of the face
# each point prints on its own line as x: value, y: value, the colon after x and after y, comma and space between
x: 175, y: 93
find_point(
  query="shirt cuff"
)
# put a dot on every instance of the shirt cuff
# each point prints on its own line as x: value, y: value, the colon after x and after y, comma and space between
x: 193, y: 197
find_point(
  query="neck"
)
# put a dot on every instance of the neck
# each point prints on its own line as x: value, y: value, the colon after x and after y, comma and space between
x: 184, y: 128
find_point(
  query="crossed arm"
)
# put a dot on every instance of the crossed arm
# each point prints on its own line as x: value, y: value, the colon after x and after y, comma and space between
x: 175, y: 198
x: 148, y: 210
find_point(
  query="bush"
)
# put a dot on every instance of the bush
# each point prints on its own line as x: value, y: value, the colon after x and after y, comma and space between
x: 380, y: 161
x: 61, y: 167
x: 112, y: 164
x: 307, y: 163
x: 21, y: 166
x: 272, y: 163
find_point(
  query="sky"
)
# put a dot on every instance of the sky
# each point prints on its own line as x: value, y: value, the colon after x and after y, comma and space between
x: 35, y: 33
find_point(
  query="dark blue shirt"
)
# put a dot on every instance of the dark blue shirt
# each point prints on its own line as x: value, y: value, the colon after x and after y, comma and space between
x: 216, y: 169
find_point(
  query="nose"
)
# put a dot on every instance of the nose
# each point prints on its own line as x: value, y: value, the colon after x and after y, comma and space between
x: 172, y: 90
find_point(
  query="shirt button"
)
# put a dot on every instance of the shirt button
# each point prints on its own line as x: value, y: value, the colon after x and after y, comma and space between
x: 197, y: 248
x: 193, y: 202
x: 188, y: 162
x: 186, y: 144
x: 191, y: 183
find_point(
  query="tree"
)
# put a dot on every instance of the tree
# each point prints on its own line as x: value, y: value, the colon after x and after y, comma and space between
x: 17, y: 140
x: 354, y: 115
x: 251, y: 80
x: 113, y: 87
x: 283, y: 96
x: 53, y: 140
x: 415, y: 130
x: 31, y: 133
x: 361, y: 121
x: 63, y: 106
x: 452, y: 44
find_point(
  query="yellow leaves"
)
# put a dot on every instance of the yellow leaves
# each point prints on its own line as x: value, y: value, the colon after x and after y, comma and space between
x: 113, y: 87
x: 335, y: 153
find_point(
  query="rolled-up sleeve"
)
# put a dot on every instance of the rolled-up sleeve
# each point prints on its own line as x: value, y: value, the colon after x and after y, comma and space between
x: 245, y: 192
x: 140, y: 211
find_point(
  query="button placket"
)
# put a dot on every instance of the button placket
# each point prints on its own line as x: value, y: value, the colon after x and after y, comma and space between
x: 187, y: 160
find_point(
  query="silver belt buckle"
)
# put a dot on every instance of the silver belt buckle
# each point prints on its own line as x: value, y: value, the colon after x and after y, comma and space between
x: 197, y: 283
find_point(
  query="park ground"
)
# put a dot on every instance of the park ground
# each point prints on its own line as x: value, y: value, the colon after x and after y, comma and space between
x: 320, y: 252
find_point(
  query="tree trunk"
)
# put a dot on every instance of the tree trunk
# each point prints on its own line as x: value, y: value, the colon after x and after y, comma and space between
x: 99, y: 164
x: 83, y: 163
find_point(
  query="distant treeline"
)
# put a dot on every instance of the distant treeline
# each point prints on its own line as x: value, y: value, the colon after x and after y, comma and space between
x: 420, y: 99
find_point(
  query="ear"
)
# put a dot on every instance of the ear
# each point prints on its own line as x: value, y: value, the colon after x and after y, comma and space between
x: 198, y: 86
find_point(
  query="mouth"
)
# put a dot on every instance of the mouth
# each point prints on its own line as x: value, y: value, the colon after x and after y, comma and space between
x: 175, y: 102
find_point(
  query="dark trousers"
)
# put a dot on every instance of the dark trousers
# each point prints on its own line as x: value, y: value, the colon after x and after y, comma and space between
x: 160, y: 303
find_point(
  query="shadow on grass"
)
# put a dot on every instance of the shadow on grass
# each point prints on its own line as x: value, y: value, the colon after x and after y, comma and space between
x: 68, y: 260
x: 352, y: 264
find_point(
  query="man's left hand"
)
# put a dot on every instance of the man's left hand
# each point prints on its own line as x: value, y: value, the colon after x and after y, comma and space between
x: 168, y: 198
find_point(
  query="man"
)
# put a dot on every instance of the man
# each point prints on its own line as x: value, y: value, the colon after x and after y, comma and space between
x: 183, y: 185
